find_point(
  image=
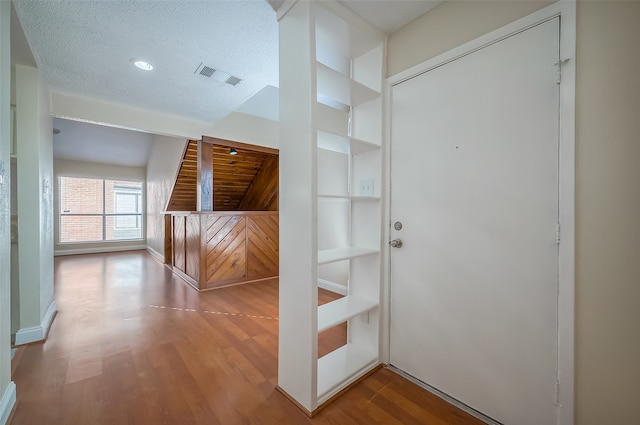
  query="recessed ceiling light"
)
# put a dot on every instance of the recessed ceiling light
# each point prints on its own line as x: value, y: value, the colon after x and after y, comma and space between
x: 144, y: 65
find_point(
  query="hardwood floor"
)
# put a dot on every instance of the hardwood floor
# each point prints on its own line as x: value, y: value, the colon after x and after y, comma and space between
x: 133, y: 344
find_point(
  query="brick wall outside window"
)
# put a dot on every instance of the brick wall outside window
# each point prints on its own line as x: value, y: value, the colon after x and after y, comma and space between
x: 95, y: 210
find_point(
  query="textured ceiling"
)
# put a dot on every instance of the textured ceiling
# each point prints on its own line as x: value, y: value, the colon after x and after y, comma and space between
x: 85, y: 48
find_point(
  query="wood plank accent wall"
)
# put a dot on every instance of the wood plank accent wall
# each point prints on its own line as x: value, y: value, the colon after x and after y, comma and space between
x: 204, y: 188
x: 226, y: 257
x: 210, y: 179
x: 232, y: 176
x: 214, y: 249
x: 192, y: 247
x: 262, y: 194
x: 263, y: 246
x: 179, y: 240
x: 183, y: 195
x: 168, y: 232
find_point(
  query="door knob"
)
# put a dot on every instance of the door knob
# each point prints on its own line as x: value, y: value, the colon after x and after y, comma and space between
x: 396, y: 243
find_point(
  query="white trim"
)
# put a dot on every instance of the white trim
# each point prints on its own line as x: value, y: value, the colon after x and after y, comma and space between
x: 37, y: 333
x: 566, y: 263
x: 332, y: 286
x: 284, y: 8
x: 7, y: 402
x: 155, y: 254
x: 98, y: 250
x: 566, y: 260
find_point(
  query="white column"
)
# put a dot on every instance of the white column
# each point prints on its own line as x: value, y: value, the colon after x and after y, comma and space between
x: 297, y: 357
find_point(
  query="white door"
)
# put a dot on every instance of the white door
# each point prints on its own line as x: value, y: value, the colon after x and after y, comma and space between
x: 474, y: 182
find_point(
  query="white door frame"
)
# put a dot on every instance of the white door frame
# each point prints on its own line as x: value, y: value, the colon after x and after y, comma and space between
x: 567, y: 11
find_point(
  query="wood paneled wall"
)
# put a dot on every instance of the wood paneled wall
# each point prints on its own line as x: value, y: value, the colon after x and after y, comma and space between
x: 219, y: 249
x: 183, y: 195
x: 262, y: 194
x: 226, y: 249
x: 262, y: 249
x: 204, y: 189
x: 179, y: 242
x: 210, y: 179
x: 192, y: 247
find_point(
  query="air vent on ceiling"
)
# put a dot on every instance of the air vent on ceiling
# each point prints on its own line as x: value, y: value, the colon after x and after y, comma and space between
x: 216, y: 74
x: 233, y: 80
x: 206, y: 71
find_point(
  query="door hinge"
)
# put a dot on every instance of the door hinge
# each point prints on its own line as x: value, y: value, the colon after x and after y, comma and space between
x: 558, y: 66
x: 557, y: 393
x: 557, y: 233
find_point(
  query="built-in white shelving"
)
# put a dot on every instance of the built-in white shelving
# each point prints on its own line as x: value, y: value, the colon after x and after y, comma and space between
x: 341, y: 254
x: 351, y: 198
x: 342, y: 89
x: 347, y: 361
x: 343, y: 143
x: 341, y: 310
x: 331, y: 203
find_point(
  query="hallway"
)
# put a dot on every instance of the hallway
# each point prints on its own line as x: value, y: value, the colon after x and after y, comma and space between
x: 133, y: 344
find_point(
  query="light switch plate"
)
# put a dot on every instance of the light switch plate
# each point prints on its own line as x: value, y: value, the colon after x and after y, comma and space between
x: 366, y: 187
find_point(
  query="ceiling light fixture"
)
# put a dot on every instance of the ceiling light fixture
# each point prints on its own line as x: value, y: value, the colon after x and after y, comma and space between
x: 232, y: 151
x: 144, y: 65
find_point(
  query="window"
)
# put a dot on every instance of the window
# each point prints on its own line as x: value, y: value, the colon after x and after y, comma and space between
x: 97, y: 210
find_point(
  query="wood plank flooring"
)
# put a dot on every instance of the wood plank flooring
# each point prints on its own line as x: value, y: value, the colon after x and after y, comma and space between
x: 133, y: 344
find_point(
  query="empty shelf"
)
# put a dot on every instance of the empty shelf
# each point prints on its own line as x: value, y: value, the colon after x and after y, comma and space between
x: 341, y: 367
x: 341, y: 310
x: 330, y: 141
x: 342, y: 89
x: 339, y: 254
x: 352, y: 198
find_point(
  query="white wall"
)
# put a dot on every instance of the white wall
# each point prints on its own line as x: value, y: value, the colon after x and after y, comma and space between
x: 162, y: 169
x: 607, y: 174
x: 248, y: 129
x: 119, y: 115
x: 7, y: 388
x: 69, y: 168
x: 35, y: 203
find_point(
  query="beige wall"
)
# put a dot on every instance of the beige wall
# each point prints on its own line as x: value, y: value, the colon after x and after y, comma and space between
x: 607, y: 295
x: 35, y: 196
x: 6, y: 387
x: 162, y: 169
x: 607, y: 213
x: 450, y: 25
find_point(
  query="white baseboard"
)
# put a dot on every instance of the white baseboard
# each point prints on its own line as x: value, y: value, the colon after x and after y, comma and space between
x: 332, y: 286
x: 7, y: 402
x: 155, y: 254
x: 37, y: 333
x: 98, y: 250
